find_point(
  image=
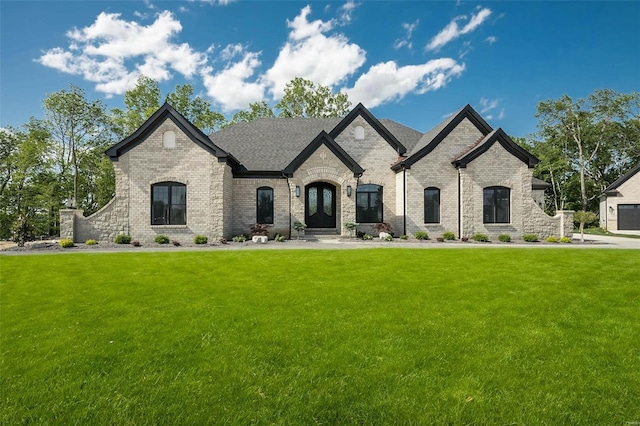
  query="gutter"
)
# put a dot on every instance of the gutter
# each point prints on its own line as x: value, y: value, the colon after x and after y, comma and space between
x: 404, y: 201
x: 459, y: 206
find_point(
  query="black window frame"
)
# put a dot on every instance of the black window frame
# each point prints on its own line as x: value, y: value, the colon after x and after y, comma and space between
x: 168, y: 207
x: 260, y: 219
x: 495, y: 211
x: 368, y: 190
x: 436, y: 209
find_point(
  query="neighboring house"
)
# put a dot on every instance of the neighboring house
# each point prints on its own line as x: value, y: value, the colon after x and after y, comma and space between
x: 620, y: 203
x: 462, y: 176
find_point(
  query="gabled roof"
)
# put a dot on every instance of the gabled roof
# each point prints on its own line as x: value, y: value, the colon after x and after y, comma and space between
x: 622, y: 179
x: 539, y: 184
x: 433, y: 137
x: 166, y: 111
x: 324, y: 139
x: 360, y: 110
x: 487, y: 142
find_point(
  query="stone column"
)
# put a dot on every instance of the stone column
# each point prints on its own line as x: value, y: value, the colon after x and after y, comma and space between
x: 67, y: 223
x: 566, y: 222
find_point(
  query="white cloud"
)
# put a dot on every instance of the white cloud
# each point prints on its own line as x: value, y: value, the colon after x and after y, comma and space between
x: 219, y: 2
x: 98, y: 52
x: 346, y: 11
x: 309, y: 53
x: 487, y: 105
x: 409, y: 28
x: 385, y: 82
x: 453, y: 31
x: 491, y: 39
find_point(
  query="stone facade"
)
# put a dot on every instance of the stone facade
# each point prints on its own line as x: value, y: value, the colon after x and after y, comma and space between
x: 221, y: 197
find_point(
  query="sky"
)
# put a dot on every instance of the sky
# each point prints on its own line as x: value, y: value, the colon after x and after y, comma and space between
x: 415, y: 62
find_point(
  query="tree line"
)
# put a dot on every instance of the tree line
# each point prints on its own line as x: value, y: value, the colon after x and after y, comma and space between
x: 58, y: 161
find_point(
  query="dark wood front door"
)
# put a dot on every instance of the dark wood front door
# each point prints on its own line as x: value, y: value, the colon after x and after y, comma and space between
x: 320, y: 205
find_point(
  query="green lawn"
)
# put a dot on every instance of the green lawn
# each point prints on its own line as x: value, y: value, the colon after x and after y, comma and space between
x: 601, y: 231
x: 378, y: 336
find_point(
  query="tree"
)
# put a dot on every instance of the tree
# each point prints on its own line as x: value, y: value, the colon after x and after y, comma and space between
x: 584, y: 218
x: 140, y: 102
x: 197, y: 110
x: 303, y: 98
x: 594, y: 136
x: 77, y: 126
x: 256, y: 110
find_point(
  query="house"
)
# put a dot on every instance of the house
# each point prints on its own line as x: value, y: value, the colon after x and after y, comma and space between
x: 462, y: 176
x: 620, y: 203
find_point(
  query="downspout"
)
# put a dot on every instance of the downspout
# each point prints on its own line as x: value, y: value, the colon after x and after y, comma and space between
x: 290, y: 204
x: 404, y: 201
x: 459, y: 205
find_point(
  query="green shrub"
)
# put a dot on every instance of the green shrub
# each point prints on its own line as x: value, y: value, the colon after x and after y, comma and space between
x: 238, y: 239
x: 367, y: 237
x: 161, y: 239
x: 552, y: 240
x: 404, y: 237
x: 91, y: 242
x: 66, y: 243
x: 530, y: 238
x: 122, y: 239
x: 449, y: 236
x: 504, y: 238
x: 200, y: 239
x: 279, y: 238
x: 565, y: 240
x: 388, y: 238
x: 421, y: 235
x: 483, y: 238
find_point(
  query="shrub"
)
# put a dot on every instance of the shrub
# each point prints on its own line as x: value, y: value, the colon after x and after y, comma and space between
x: 367, y: 237
x: 504, y: 238
x: 223, y: 240
x: 299, y: 227
x: 449, y: 236
x: 91, y: 242
x: 530, y: 238
x: 351, y: 227
x: 122, y: 239
x: 66, y: 243
x: 382, y: 227
x: 483, y: 238
x: 200, y: 239
x: 237, y: 239
x: 161, y: 239
x: 279, y: 238
x: 404, y: 237
x: 552, y: 240
x: 135, y: 243
x: 388, y: 238
x: 464, y: 239
x: 259, y: 229
x: 175, y: 242
x: 565, y: 240
x: 440, y: 239
x: 421, y: 235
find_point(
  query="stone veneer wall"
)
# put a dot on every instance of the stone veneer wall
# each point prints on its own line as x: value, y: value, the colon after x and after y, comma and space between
x: 436, y: 170
x: 375, y: 156
x: 628, y: 193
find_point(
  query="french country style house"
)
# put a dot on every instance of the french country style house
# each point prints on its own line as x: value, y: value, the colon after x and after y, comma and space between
x: 462, y: 176
x: 620, y: 203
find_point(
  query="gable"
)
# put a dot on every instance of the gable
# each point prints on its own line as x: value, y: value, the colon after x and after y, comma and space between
x: 323, y: 139
x: 489, y: 140
x: 631, y: 174
x: 167, y: 112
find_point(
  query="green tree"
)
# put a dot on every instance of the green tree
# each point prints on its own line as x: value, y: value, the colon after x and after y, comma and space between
x: 195, y: 109
x: 140, y: 103
x: 256, y: 110
x: 303, y: 98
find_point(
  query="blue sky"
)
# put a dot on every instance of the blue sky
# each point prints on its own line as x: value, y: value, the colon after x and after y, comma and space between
x: 414, y: 62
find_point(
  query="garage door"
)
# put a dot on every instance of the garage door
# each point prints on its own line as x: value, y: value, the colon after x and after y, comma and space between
x: 629, y: 217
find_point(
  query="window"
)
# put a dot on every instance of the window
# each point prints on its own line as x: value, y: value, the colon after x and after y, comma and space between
x: 432, y: 205
x: 168, y: 203
x: 369, y: 204
x: 496, y: 204
x: 264, y: 205
x: 359, y: 133
x: 169, y: 140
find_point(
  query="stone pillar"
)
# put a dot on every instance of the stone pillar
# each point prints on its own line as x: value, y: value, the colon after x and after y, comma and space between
x: 566, y: 222
x: 68, y: 222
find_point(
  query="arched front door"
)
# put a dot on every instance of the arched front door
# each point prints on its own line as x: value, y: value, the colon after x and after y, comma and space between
x: 320, y: 205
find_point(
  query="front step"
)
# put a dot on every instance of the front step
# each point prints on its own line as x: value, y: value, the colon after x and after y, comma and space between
x: 321, y: 234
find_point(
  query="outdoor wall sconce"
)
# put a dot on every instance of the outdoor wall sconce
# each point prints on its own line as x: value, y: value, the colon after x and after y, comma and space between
x: 297, y: 191
x: 610, y: 209
x: 348, y: 190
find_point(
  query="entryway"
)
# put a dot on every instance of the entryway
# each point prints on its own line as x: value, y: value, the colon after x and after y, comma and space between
x: 320, y: 205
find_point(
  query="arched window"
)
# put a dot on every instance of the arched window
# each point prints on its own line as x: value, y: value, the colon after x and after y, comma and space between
x: 264, y: 205
x: 496, y: 204
x: 169, y: 140
x: 431, y: 205
x: 369, y: 203
x: 168, y: 203
x: 358, y: 133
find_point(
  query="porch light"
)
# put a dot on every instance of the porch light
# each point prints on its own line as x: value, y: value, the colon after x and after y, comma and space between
x: 297, y: 191
x: 611, y: 209
x: 348, y: 190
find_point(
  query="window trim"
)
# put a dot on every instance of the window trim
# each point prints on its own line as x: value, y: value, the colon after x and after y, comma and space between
x: 431, y: 188
x: 380, y: 191
x: 494, y: 190
x: 263, y: 188
x: 169, y: 185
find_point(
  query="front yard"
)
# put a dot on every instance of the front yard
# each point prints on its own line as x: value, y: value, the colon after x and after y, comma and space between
x: 370, y: 336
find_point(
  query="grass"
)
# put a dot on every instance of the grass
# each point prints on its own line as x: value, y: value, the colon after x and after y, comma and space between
x: 374, y: 336
x: 602, y: 231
